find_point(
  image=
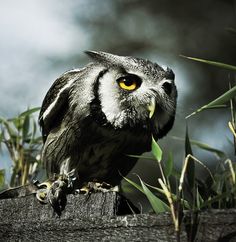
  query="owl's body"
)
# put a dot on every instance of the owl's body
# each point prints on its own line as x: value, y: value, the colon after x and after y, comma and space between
x: 93, y: 118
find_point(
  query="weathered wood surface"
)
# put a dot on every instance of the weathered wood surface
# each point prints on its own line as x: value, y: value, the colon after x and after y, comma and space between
x: 95, y: 218
x: 217, y: 225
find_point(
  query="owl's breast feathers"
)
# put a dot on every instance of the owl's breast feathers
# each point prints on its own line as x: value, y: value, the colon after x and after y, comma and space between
x: 106, y: 154
x: 97, y: 152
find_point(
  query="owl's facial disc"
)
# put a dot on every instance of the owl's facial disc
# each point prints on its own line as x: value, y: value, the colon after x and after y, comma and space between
x: 131, y: 85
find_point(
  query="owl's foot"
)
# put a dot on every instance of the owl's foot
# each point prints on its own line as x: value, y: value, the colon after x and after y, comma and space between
x: 54, y: 192
x: 98, y: 187
x: 42, y: 192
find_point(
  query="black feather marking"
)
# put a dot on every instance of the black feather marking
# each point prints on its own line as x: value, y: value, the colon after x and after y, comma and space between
x: 95, y: 106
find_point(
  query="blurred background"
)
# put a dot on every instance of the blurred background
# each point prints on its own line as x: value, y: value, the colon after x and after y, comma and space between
x: 41, y: 39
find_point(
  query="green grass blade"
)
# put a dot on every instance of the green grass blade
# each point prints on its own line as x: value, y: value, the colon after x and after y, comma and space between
x: 29, y: 111
x: 160, y: 190
x: 156, y: 150
x: 17, y: 122
x: 157, y: 204
x: 203, y: 146
x: 134, y: 184
x: 232, y: 170
x: 231, y: 30
x: 233, y: 118
x: 213, y: 63
x: 2, y: 178
x: 215, y: 199
x: 199, y: 199
x: 175, y: 197
x: 169, y: 164
x: 221, y: 100
x: 190, y: 170
x: 218, y: 106
x: 142, y: 157
x: 26, y: 126
x: 206, y: 147
x: 34, y: 130
x: 7, y: 125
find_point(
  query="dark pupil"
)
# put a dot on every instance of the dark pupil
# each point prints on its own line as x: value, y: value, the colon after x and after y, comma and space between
x: 128, y: 82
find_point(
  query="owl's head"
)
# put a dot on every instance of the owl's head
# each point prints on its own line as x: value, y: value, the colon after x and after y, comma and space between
x: 124, y: 89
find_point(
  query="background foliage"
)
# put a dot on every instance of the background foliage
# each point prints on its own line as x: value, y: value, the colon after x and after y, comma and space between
x: 22, y: 142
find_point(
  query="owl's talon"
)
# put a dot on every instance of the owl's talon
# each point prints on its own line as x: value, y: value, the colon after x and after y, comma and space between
x: 97, y: 187
x: 55, y: 192
x: 57, y: 195
x: 84, y: 190
x: 42, y: 193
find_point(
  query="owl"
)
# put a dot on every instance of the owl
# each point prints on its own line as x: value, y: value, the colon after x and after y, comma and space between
x: 94, y: 117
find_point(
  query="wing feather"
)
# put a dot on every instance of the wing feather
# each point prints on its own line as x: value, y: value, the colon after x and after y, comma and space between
x: 55, y: 102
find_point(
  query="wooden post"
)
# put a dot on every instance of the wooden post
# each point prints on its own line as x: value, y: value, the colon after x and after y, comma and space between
x: 94, y: 218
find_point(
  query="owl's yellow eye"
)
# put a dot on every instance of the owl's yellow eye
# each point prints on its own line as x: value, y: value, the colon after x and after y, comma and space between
x: 129, y: 83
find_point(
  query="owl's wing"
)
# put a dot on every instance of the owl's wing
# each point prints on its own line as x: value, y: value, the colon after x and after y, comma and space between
x: 55, y: 102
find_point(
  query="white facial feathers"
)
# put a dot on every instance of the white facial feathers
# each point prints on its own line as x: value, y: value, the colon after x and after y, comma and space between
x: 120, y: 106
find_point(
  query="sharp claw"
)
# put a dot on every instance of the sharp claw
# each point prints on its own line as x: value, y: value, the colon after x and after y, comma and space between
x: 42, y: 193
x: 96, y: 186
x: 84, y: 190
x: 45, y: 185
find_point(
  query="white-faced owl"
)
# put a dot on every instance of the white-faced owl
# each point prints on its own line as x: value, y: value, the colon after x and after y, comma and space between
x: 93, y: 118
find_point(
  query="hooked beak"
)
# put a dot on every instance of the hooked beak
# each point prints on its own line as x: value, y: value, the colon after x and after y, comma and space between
x: 151, y: 107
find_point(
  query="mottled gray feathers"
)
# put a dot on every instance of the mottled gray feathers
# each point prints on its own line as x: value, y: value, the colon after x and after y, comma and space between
x: 92, y: 117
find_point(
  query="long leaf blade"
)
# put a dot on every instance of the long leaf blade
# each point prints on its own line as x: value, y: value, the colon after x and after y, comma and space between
x: 2, y: 178
x: 29, y: 111
x: 156, y: 150
x: 134, y: 184
x: 204, y: 146
x: 213, y: 63
x: 231, y: 30
x: 190, y: 171
x: 221, y: 100
x: 142, y: 157
x: 157, y: 204
x: 26, y: 126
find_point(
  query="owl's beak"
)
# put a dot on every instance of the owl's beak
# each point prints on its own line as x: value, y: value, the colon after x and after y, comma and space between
x: 151, y: 107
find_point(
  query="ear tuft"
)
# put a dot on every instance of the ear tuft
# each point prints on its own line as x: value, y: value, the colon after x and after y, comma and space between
x: 106, y: 58
x: 93, y: 54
